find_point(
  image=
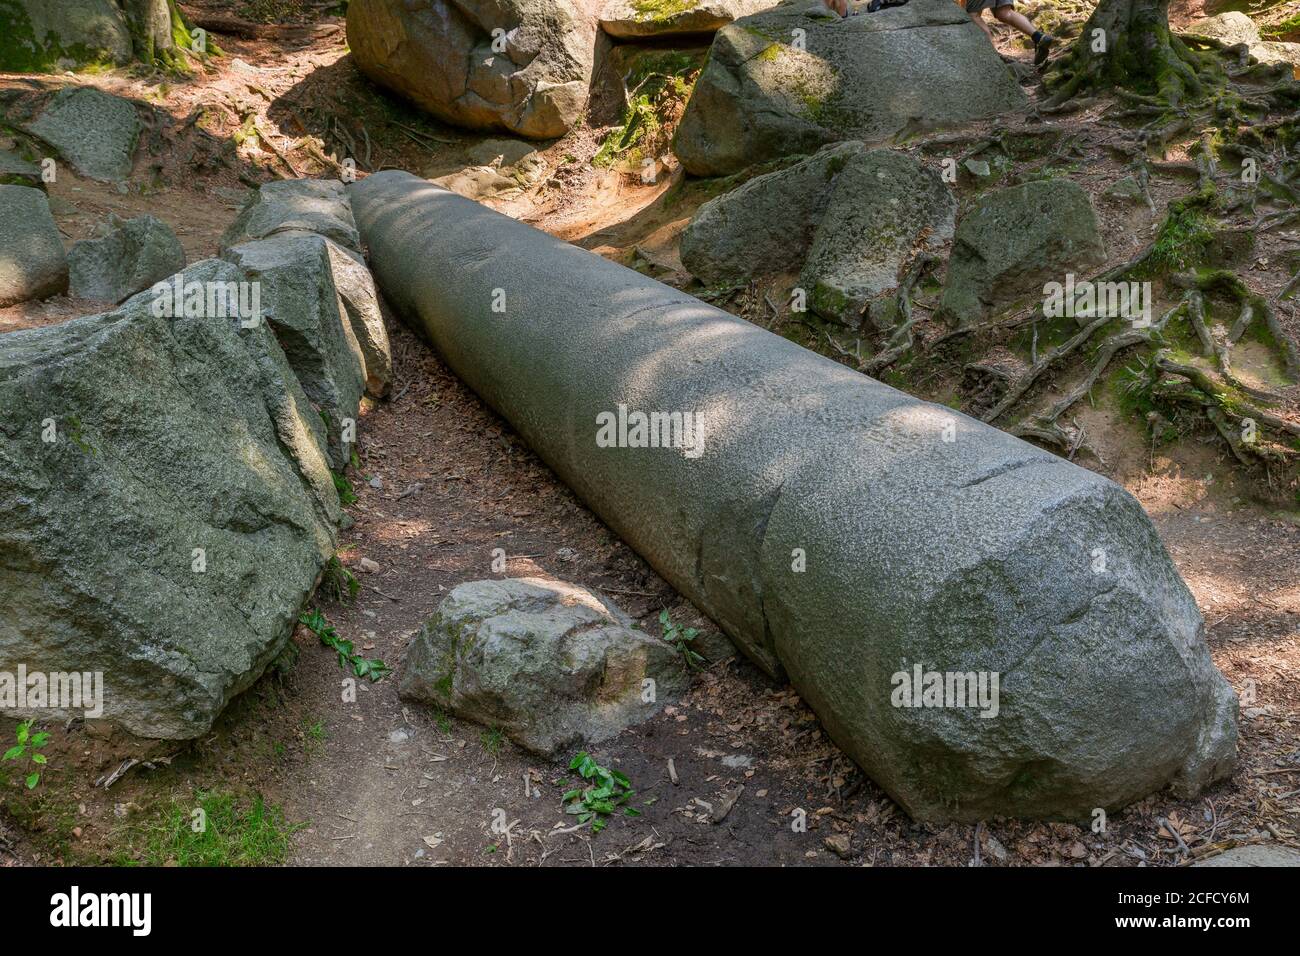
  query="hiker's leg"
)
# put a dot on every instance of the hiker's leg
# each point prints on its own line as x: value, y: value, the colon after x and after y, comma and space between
x: 1013, y: 18
x: 978, y: 17
x: 839, y: 7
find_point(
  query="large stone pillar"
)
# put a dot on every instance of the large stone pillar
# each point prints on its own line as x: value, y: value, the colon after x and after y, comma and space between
x: 839, y: 530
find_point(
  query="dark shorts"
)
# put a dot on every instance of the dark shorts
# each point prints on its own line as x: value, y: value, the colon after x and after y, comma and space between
x: 975, y: 6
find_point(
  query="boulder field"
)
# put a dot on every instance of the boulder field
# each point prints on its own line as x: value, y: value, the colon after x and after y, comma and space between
x: 166, y: 501
x: 986, y: 628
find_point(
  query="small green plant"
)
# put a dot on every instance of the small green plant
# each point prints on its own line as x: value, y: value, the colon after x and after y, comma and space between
x: 29, y: 745
x: 491, y: 739
x: 601, y: 799
x: 372, y: 668
x: 339, y: 583
x: 680, y: 638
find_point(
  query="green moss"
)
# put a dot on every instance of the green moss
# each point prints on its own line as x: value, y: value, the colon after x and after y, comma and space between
x: 1183, y: 239
x: 654, y: 10
x: 21, y: 51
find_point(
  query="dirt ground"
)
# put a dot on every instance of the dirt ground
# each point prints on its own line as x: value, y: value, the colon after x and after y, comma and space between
x: 443, y: 481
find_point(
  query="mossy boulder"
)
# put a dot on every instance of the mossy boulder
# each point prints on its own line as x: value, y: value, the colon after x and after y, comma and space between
x: 793, y: 78
x: 42, y: 36
x: 637, y: 19
x: 1013, y: 241
x: 848, y: 219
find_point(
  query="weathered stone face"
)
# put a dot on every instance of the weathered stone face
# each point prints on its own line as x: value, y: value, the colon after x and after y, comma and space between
x: 1013, y: 240
x: 131, y: 256
x: 849, y: 219
x: 302, y: 304
x: 94, y: 131
x: 33, y: 263
x: 165, y: 506
x: 869, y: 78
x: 837, y: 529
x: 551, y: 664
x: 440, y: 55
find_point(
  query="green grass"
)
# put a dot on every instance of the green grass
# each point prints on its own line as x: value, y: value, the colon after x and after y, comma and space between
x: 228, y: 832
x: 492, y: 738
x: 1184, y: 237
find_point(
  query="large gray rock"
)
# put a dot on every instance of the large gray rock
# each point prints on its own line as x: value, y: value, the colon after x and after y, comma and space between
x: 854, y: 218
x: 94, y: 131
x: 870, y: 78
x: 296, y: 205
x: 885, y: 210
x: 33, y: 263
x: 635, y: 19
x: 301, y: 302
x: 130, y: 255
x: 42, y: 35
x: 1233, y: 28
x: 1255, y: 855
x: 127, y: 441
x: 837, y: 529
x: 1013, y: 240
x: 439, y: 54
x: 551, y: 664
x: 767, y: 225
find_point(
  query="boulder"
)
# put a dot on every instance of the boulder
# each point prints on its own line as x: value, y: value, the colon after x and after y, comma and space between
x: 16, y: 171
x: 1013, y: 241
x: 793, y: 78
x: 94, y: 131
x: 44, y: 35
x: 1259, y: 854
x: 167, y: 504
x: 551, y: 664
x: 886, y: 208
x: 636, y: 19
x: 852, y: 217
x: 130, y: 256
x: 1228, y: 29
x: 840, y: 531
x: 1233, y: 28
x: 33, y: 263
x: 303, y: 205
x: 301, y: 302
x: 765, y: 226
x: 440, y: 55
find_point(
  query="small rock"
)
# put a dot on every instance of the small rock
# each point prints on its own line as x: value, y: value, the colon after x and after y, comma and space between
x: 738, y: 761
x: 368, y: 566
x: 399, y: 736
x: 567, y: 554
x: 978, y: 167
x: 551, y: 664
x: 840, y: 844
x: 376, y: 482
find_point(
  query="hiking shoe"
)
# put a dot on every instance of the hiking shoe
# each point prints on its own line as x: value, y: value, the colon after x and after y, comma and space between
x: 1042, y: 48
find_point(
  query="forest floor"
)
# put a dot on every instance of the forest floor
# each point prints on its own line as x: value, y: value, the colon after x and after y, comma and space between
x: 443, y: 481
